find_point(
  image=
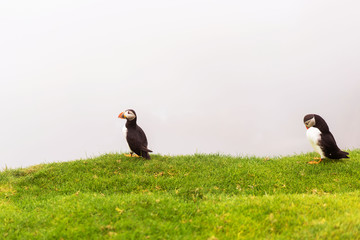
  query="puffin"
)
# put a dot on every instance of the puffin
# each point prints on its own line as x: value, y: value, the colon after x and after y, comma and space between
x: 134, y: 135
x: 321, y: 139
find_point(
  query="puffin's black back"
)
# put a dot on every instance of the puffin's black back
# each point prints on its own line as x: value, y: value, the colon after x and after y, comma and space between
x: 321, y: 124
x: 136, y: 138
x: 327, y: 141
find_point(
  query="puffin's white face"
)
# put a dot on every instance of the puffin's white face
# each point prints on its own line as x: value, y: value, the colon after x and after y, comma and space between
x: 128, y: 114
x: 309, y: 123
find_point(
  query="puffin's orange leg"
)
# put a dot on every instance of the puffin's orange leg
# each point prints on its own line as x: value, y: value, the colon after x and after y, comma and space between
x: 315, y: 162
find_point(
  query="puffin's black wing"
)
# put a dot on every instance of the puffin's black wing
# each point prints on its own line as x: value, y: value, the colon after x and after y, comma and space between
x: 137, y: 141
x: 330, y: 148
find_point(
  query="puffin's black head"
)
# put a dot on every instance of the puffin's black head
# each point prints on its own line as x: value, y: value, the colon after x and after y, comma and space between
x: 309, y: 121
x: 313, y: 120
x: 128, y: 114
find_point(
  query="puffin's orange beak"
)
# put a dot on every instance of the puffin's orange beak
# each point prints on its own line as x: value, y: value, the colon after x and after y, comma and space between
x: 121, y: 115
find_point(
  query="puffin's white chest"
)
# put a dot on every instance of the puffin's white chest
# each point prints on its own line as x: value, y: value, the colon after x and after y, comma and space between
x: 125, y: 131
x: 314, y: 135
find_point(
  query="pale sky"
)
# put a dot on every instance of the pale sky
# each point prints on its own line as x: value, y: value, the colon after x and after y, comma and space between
x: 230, y: 77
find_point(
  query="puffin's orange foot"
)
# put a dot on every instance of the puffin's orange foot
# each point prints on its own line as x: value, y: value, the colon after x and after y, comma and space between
x: 315, y: 162
x: 131, y: 155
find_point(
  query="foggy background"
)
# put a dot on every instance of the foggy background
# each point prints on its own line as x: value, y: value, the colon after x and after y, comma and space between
x: 234, y: 77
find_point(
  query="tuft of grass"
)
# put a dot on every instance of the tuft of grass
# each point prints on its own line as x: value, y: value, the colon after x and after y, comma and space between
x: 183, y: 197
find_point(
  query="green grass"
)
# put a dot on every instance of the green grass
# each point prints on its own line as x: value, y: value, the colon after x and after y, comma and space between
x: 183, y: 197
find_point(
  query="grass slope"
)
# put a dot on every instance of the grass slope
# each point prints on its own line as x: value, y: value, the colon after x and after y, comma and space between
x: 183, y: 197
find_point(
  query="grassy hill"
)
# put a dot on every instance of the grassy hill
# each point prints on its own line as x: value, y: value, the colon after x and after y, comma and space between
x: 183, y: 197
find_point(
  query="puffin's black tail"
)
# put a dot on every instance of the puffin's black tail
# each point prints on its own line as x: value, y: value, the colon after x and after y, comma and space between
x: 340, y: 154
x: 145, y: 153
x: 346, y: 154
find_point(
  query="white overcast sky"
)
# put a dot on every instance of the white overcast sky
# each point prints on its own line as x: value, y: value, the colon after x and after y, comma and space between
x: 234, y: 77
